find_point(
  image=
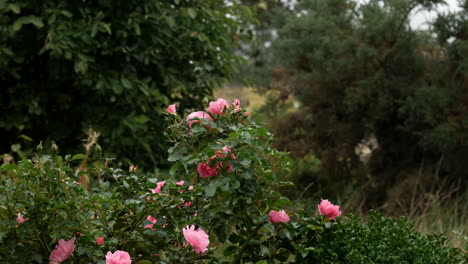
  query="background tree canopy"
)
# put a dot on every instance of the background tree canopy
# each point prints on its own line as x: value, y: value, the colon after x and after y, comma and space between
x: 113, y: 65
x: 360, y: 72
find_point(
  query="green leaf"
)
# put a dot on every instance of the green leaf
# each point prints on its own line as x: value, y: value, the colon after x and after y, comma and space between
x: 230, y: 250
x: 211, y: 189
x: 36, y: 21
x: 175, y: 156
x: 126, y: 83
x: 15, y: 8
x: 283, y: 202
x: 171, y: 22
x: 246, y: 162
x: 137, y: 29
x: 79, y: 157
x: 191, y: 12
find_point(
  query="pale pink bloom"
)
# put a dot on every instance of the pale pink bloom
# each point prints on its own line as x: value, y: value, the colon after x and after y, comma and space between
x: 236, y: 105
x: 200, y: 115
x: 171, y: 109
x: 180, y: 183
x: 190, y: 187
x: 153, y: 221
x: 118, y: 257
x: 100, y: 241
x: 197, y: 238
x: 159, y: 185
x: 328, y: 209
x: 20, y: 218
x: 217, y: 107
x: 63, y: 250
x: 278, y: 216
x: 132, y: 168
x: 204, y: 170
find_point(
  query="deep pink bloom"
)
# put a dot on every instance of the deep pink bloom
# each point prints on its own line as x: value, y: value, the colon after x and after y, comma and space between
x: 171, y: 109
x: 197, y: 238
x: 153, y: 221
x: 278, y: 216
x: 236, y: 105
x: 159, y: 185
x: 20, y: 218
x: 204, y: 170
x: 100, y: 241
x: 328, y: 209
x: 63, y: 250
x: 200, y: 115
x: 246, y: 114
x: 118, y: 257
x: 217, y: 107
x: 180, y: 183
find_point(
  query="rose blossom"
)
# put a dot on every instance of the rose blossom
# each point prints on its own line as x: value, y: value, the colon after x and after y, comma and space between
x: 236, y: 105
x: 100, y: 241
x: 200, y: 115
x: 171, y: 109
x: 159, y: 185
x: 204, y: 169
x: 180, y: 183
x: 62, y: 251
x: 152, y: 220
x: 328, y: 209
x: 20, y: 219
x: 197, y: 238
x: 217, y: 107
x: 118, y: 257
x: 278, y: 216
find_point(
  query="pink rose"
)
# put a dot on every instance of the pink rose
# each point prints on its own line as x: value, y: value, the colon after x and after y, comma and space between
x: 200, y: 115
x: 118, y: 257
x: 20, y: 218
x: 190, y: 187
x: 328, y: 209
x: 236, y: 105
x: 153, y: 221
x: 217, y: 107
x: 171, y: 109
x: 132, y: 168
x: 278, y: 216
x: 63, y: 250
x: 159, y: 185
x: 180, y: 183
x: 204, y: 170
x: 100, y: 241
x: 246, y: 114
x: 197, y: 238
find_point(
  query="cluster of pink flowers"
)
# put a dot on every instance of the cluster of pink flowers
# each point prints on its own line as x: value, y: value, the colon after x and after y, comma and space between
x: 205, y: 170
x: 325, y: 208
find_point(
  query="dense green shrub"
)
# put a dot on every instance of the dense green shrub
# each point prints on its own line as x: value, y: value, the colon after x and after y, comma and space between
x: 232, y: 206
x: 113, y: 65
x: 361, y: 71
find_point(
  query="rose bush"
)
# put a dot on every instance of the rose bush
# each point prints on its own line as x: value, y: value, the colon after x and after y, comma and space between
x: 219, y: 203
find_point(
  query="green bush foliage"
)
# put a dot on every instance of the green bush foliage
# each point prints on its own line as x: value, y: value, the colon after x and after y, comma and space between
x: 113, y: 65
x: 232, y: 207
x: 360, y: 71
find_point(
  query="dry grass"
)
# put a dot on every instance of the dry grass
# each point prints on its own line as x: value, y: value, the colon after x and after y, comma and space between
x: 248, y: 96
